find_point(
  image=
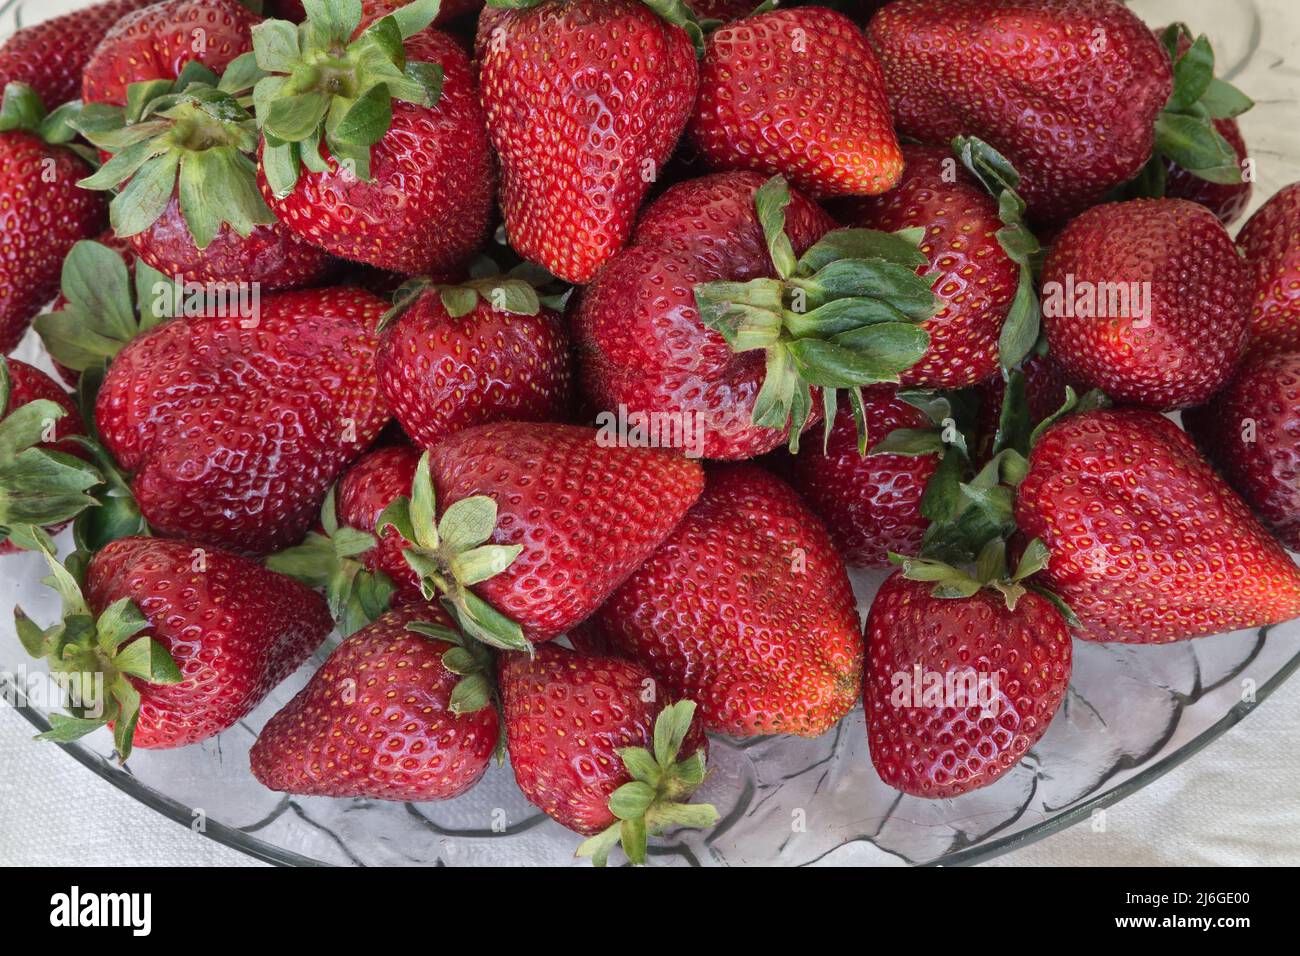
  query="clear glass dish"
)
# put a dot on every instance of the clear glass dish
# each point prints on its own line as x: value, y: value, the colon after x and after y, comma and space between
x: 1132, y: 713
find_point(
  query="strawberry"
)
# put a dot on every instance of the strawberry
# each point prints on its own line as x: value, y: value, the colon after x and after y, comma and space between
x: 568, y: 516
x: 360, y: 158
x: 157, y: 42
x: 472, y: 354
x: 331, y: 740
x: 50, y: 56
x: 747, y: 610
x: 44, y: 213
x: 797, y: 92
x: 1147, y: 300
x: 1088, y: 72
x: 188, y: 640
x: 213, y: 226
x: 709, y: 318
x: 958, y: 688
x: 871, y: 503
x: 1271, y: 242
x: 585, y: 100
x: 1148, y: 545
x: 42, y: 482
x: 724, y: 11
x: 1251, y: 432
x: 372, y: 9
x: 593, y: 744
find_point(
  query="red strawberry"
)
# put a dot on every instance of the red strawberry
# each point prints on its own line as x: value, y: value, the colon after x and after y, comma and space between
x: 697, y: 320
x: 958, y: 689
x: 585, y: 100
x: 747, y: 610
x: 1148, y: 545
x: 189, y: 639
x: 871, y: 503
x: 380, y: 720
x: 390, y: 168
x: 50, y: 56
x: 1271, y: 242
x: 1087, y: 73
x: 364, y: 491
x: 42, y: 212
x: 157, y: 42
x: 473, y: 354
x: 235, y: 427
x: 373, y: 9
x: 1148, y: 301
x: 594, y: 744
x: 1251, y: 431
x: 797, y: 92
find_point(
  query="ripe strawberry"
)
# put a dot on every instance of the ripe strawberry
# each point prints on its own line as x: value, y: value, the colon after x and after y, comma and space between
x: 364, y: 492
x: 957, y: 689
x: 363, y: 176
x: 189, y: 639
x: 797, y: 92
x: 156, y: 43
x: 747, y: 610
x: 709, y: 318
x: 1251, y: 432
x: 1088, y: 72
x: 472, y: 354
x: 569, y: 517
x: 594, y: 745
x: 871, y: 503
x: 45, y: 213
x: 585, y: 100
x: 1148, y: 545
x: 50, y: 56
x: 382, y: 719
x: 373, y: 9
x: 234, y: 428
x: 1148, y: 301
x: 1271, y: 243
x: 42, y: 482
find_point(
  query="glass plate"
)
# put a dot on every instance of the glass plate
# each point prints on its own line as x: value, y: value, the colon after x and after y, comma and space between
x: 1131, y: 714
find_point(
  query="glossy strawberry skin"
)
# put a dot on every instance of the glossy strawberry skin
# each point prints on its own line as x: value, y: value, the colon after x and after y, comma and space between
x: 50, y: 56
x: 1251, y: 432
x: 1271, y: 243
x: 364, y: 491
x: 233, y: 434
x: 375, y: 721
x: 979, y: 67
x: 977, y: 279
x: 747, y: 610
x: 440, y: 374
x: 585, y: 101
x: 587, y: 516
x: 1187, y: 348
x: 567, y: 717
x: 809, y: 105
x: 871, y: 504
x: 235, y: 630
x: 432, y: 166
x: 640, y: 340
x: 1148, y: 544
x: 156, y: 42
x: 1023, y: 657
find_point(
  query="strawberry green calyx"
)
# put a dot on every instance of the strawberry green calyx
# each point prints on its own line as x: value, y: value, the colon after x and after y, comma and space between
x: 470, y: 660
x: 951, y: 436
x: 999, y: 177
x: 97, y: 657
x: 328, y: 561
x: 675, y: 12
x: 322, y: 87
x: 192, y: 138
x: 844, y: 315
x: 515, y: 291
x: 39, y: 487
x: 653, y: 801
x: 452, y: 555
x: 23, y: 110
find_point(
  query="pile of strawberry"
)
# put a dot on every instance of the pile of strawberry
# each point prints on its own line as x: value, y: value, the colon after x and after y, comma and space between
x: 317, y: 387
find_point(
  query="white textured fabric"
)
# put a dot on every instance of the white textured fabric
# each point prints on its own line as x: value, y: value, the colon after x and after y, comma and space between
x: 1232, y: 804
